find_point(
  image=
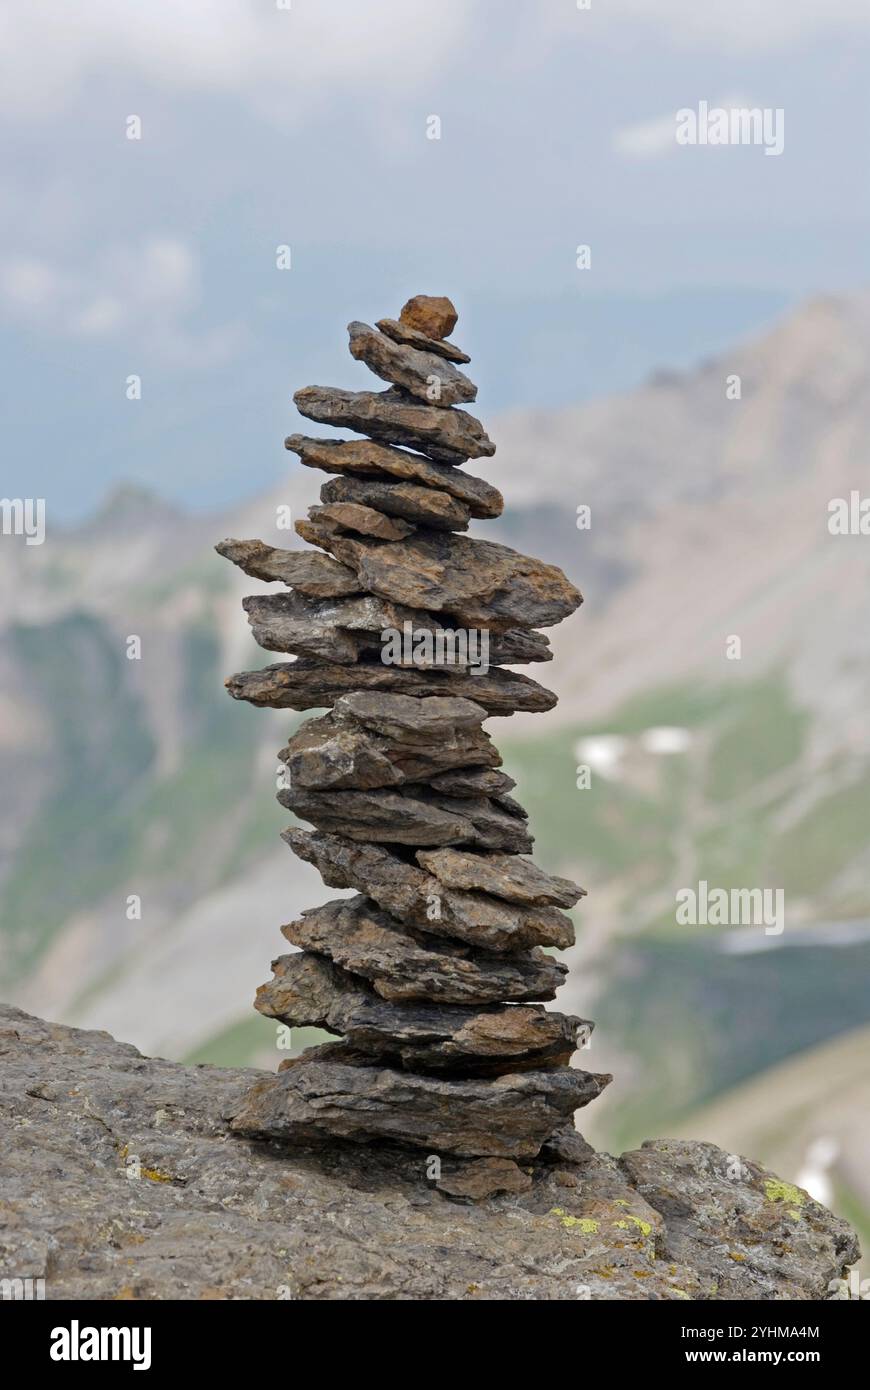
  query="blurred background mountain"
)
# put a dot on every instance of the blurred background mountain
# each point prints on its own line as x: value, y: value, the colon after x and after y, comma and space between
x: 141, y: 777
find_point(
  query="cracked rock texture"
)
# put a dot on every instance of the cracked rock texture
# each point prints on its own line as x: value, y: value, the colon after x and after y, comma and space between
x: 121, y: 1179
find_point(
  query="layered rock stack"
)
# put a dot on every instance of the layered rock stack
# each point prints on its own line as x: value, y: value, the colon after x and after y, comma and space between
x: 404, y: 629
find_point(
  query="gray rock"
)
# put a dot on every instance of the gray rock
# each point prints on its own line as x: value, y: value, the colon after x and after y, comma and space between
x: 403, y: 333
x: 383, y: 816
x: 424, y: 506
x: 471, y: 781
x: 504, y: 875
x: 426, y: 375
x: 420, y: 899
x: 350, y: 629
x: 314, y: 574
x: 481, y: 584
x: 448, y: 436
x: 358, y: 748
x: 484, y: 1177
x: 213, y: 1216
x: 307, y: 990
x: 403, y: 963
x: 507, y: 1116
x: 311, y: 684
x: 365, y: 521
x: 365, y: 458
x: 339, y: 630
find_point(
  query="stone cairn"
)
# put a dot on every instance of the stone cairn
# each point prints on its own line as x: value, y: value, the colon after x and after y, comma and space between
x: 403, y: 629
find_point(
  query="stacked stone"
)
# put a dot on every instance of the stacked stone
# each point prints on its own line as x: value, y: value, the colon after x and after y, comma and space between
x: 434, y: 973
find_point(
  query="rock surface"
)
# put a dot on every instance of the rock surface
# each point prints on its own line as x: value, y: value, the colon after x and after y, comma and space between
x: 311, y: 684
x: 507, y: 1116
x: 122, y: 1180
x: 426, y: 375
x: 448, y: 436
x: 366, y: 458
x: 424, y: 506
x: 432, y: 314
x: 384, y: 740
x: 403, y: 333
x: 307, y: 991
x: 479, y: 583
x: 402, y: 963
x: 313, y: 574
x: 422, y: 900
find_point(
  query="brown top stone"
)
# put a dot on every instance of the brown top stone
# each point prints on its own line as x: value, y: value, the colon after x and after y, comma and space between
x: 433, y: 315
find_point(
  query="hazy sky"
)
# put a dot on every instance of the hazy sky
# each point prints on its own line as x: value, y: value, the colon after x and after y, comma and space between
x: 306, y: 126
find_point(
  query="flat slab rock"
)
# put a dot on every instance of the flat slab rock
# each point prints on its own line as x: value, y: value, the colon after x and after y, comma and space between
x: 403, y: 333
x: 423, y: 506
x: 366, y: 458
x: 412, y: 895
x: 309, y: 571
x: 427, y: 375
x: 479, y: 583
x: 308, y: 683
x: 219, y: 1217
x: 508, y: 1116
x: 409, y: 816
x: 402, y: 962
x: 394, y: 417
x: 308, y: 991
x: 505, y: 875
x: 365, y: 521
x: 333, y: 629
x: 350, y: 628
x: 385, y: 740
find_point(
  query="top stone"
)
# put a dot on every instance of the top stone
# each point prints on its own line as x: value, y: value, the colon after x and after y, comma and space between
x: 433, y: 315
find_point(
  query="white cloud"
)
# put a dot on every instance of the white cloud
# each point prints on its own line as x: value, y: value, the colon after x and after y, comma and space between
x: 656, y: 138
x: 744, y: 26
x: 145, y: 291
x: 647, y: 139
x: 27, y: 286
x: 276, y: 59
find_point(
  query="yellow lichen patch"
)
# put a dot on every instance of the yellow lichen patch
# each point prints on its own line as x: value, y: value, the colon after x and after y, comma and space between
x: 792, y: 1211
x: 735, y: 1255
x: 124, y: 1294
x: 155, y: 1175
x: 777, y: 1191
x: 681, y: 1293
x: 643, y: 1226
x: 585, y: 1224
x: 642, y: 1273
x: 620, y: 1202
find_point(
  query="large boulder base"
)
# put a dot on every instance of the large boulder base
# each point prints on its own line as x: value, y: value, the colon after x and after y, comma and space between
x: 215, y: 1216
